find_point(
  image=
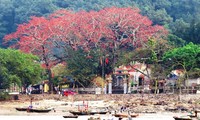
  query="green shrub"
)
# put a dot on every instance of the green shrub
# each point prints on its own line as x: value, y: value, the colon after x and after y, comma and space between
x: 4, y: 96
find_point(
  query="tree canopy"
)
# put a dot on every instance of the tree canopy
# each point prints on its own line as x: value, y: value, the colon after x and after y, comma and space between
x: 180, y: 17
x: 19, y: 68
x: 187, y: 58
x: 101, y: 29
x: 106, y: 31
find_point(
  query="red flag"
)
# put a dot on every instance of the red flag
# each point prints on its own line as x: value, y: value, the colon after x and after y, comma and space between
x: 107, y: 60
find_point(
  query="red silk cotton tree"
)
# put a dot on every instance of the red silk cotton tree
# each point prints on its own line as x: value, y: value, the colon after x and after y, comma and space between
x: 105, y: 30
x: 35, y: 37
x: 111, y: 28
x: 126, y: 25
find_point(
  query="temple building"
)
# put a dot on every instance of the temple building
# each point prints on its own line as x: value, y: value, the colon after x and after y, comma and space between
x: 127, y: 79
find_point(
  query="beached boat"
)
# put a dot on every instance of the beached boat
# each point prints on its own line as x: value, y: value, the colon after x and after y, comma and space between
x: 38, y: 110
x: 124, y: 115
x: 81, y: 112
x: 182, y: 118
x: 87, y: 112
x: 101, y: 112
x: 194, y: 114
x: 70, y: 116
x: 21, y: 108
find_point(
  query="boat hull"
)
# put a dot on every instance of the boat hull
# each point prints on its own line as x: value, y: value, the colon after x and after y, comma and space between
x: 33, y: 110
x: 126, y: 115
x: 71, y: 116
x: 180, y: 118
x: 21, y: 109
x: 85, y: 113
x: 39, y: 110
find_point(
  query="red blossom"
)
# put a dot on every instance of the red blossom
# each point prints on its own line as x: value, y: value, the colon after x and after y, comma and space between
x: 107, y: 28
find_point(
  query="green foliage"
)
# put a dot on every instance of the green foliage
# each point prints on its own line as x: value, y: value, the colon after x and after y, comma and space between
x: 154, y: 56
x: 83, y: 66
x: 159, y: 16
x: 179, y: 27
x: 92, y: 4
x: 4, y: 96
x: 175, y: 15
x: 25, y: 8
x: 187, y: 57
x: 14, y: 12
x: 125, y: 57
x: 58, y: 72
x: 192, y: 33
x: 175, y: 41
x: 17, y: 67
x: 149, y: 54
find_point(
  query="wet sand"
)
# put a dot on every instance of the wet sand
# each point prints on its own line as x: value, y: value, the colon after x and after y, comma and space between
x: 162, y: 116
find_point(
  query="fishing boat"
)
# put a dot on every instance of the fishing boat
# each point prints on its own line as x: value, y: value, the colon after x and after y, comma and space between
x: 21, y: 108
x: 124, y: 115
x: 70, y: 116
x: 39, y: 110
x: 87, y: 112
x: 100, y: 112
x: 194, y: 114
x: 81, y: 112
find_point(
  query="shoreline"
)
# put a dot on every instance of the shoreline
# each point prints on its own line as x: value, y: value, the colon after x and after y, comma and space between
x: 146, y: 106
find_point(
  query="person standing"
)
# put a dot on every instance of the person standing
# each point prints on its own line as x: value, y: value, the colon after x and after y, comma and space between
x: 41, y: 89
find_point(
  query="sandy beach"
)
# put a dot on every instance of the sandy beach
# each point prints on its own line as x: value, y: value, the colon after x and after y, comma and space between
x: 146, y: 106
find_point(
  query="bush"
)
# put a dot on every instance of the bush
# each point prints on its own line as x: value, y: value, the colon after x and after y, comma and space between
x: 4, y: 96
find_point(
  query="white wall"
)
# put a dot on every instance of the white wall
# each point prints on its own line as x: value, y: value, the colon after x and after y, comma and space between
x: 189, y: 82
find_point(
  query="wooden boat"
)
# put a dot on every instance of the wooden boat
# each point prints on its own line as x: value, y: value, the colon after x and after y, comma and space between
x: 87, y: 112
x: 39, y: 110
x: 182, y: 118
x: 81, y: 112
x: 192, y: 116
x: 70, y: 116
x: 101, y: 112
x: 21, y: 108
x: 123, y: 115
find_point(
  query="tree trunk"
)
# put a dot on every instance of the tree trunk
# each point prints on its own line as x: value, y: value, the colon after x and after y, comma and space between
x: 179, y: 85
x: 50, y: 80
x: 48, y: 70
x: 156, y: 87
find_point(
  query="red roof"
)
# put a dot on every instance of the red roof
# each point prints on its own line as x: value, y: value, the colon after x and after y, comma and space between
x: 141, y: 76
x: 128, y: 67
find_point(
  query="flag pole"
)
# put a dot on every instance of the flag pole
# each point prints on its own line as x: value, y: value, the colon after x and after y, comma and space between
x: 102, y: 71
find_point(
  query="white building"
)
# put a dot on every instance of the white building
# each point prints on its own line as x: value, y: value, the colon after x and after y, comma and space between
x: 131, y: 76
